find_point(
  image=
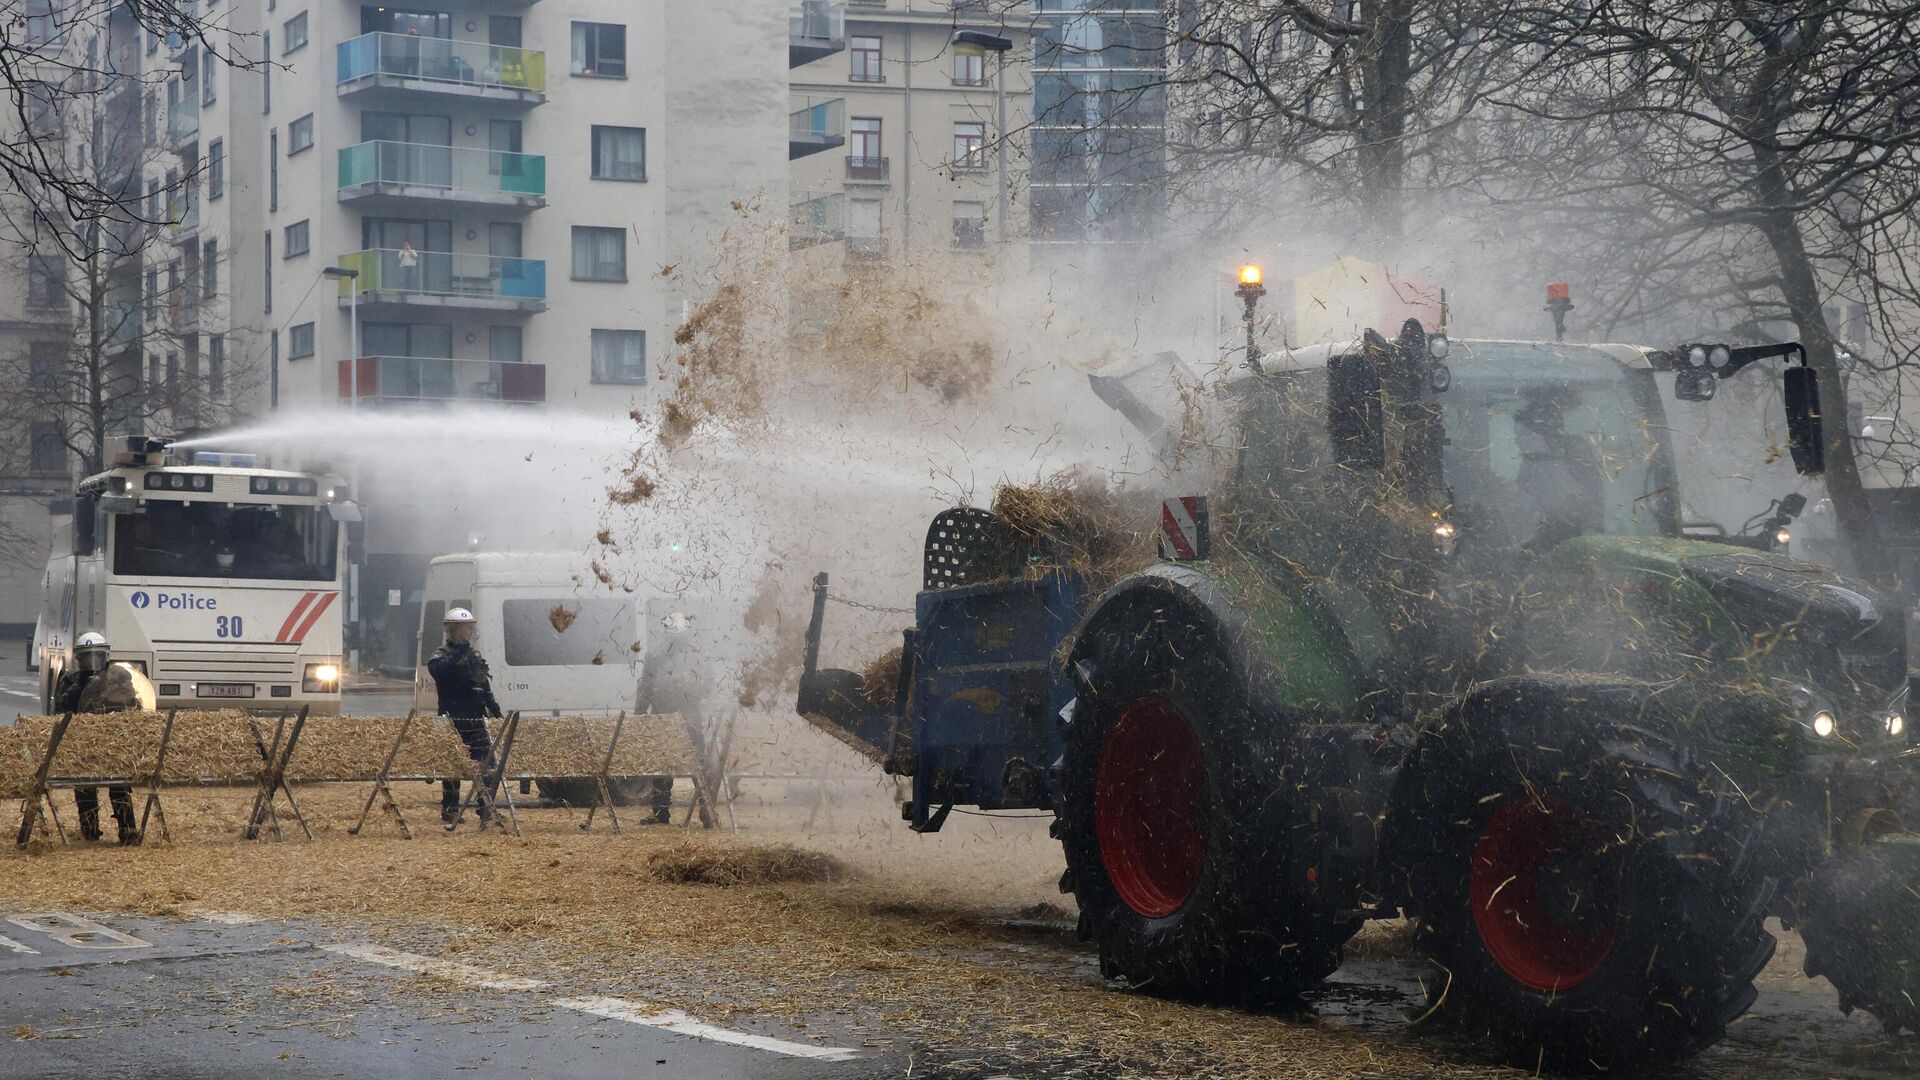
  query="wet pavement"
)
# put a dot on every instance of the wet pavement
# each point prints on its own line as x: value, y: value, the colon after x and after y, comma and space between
x: 210, y: 998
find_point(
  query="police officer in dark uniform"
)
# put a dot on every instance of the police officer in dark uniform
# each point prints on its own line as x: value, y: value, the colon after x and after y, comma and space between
x: 466, y: 697
x: 91, y: 655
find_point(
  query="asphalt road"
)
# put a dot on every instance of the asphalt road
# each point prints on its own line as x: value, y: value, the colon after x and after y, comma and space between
x: 208, y: 998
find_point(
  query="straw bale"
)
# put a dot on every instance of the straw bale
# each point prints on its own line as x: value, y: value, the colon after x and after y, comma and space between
x: 355, y: 747
x: 207, y: 747
x: 881, y: 680
x: 703, y: 864
x: 19, y: 755
x: 1075, y: 522
x: 576, y: 746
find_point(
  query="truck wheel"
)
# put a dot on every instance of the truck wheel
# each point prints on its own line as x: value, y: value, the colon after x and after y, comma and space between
x: 1860, y: 919
x: 1163, y: 775
x: 1575, y: 916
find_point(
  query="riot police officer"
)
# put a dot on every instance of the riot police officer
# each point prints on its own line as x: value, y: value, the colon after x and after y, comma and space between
x: 465, y: 691
x: 91, y: 655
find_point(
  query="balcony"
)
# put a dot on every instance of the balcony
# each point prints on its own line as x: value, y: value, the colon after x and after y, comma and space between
x: 419, y: 380
x: 396, y: 175
x: 183, y: 120
x: 183, y: 217
x: 819, y: 126
x: 819, y: 218
x: 815, y: 29
x: 440, y: 279
x: 385, y: 66
x: 866, y: 249
x: 867, y: 170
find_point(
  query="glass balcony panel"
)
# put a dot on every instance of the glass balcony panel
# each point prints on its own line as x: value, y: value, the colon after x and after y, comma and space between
x: 452, y: 168
x: 462, y: 63
x: 183, y: 119
x: 819, y: 120
x: 441, y: 273
x: 426, y: 378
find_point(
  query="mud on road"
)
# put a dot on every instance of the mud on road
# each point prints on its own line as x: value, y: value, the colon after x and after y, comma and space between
x: 947, y: 956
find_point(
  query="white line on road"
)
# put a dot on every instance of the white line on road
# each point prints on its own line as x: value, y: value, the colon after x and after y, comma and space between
x: 427, y: 965
x: 631, y: 1012
x: 225, y: 918
x: 19, y: 693
x: 681, y: 1024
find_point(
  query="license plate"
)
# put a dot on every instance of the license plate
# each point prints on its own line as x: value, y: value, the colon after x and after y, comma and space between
x: 224, y: 690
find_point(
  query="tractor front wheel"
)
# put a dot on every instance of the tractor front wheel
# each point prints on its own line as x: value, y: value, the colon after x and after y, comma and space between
x: 1575, y: 917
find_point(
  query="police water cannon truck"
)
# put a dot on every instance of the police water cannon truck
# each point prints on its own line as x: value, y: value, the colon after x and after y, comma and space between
x: 221, y: 580
x: 1449, y: 656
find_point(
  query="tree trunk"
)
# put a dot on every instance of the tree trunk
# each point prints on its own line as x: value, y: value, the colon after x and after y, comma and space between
x: 1386, y: 51
x: 1801, y: 289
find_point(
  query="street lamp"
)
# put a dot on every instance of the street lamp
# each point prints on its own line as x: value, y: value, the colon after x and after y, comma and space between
x: 994, y: 43
x: 353, y: 328
x: 1251, y: 288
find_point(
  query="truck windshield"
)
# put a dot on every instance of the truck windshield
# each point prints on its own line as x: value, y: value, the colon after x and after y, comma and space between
x: 205, y: 540
x: 1550, y: 442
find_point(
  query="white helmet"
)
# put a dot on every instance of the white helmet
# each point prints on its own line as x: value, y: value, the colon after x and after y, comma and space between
x: 90, y: 653
x: 454, y: 615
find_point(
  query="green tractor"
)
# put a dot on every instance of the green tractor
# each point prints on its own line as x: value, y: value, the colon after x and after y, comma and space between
x: 1435, y: 645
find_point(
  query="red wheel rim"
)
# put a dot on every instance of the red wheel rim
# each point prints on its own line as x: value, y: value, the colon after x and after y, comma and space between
x: 1545, y: 889
x: 1149, y: 802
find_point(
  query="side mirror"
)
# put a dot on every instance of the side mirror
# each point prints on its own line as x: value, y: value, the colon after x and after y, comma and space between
x: 1356, y: 413
x: 1805, y: 438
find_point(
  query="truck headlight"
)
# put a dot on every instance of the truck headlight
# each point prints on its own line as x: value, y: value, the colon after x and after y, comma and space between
x: 320, y: 678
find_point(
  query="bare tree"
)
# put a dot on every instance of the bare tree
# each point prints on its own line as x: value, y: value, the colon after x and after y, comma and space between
x: 1757, y: 157
x: 122, y: 298
x: 56, y: 55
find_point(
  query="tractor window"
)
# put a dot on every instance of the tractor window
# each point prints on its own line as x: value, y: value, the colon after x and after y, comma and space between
x: 1541, y: 450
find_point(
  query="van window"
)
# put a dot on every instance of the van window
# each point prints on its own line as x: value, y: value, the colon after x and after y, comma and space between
x: 602, y: 627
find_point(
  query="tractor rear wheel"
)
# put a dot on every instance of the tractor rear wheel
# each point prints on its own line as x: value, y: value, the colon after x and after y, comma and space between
x: 1860, y: 919
x: 1567, y: 895
x: 1165, y: 776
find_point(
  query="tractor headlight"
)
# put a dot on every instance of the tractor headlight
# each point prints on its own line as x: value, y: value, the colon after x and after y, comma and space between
x: 1822, y: 724
x: 1719, y: 357
x: 1782, y: 537
x: 320, y: 678
x: 1696, y: 356
x: 1444, y: 535
x: 1437, y: 346
x: 1895, y: 723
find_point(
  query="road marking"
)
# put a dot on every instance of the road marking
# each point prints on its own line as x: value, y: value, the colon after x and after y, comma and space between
x: 680, y: 1023
x: 427, y: 965
x: 607, y: 1008
x: 225, y: 918
x: 11, y: 945
x: 19, y: 693
x: 69, y: 929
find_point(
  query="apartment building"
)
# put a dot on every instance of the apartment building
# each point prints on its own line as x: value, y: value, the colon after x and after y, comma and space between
x: 1099, y: 122
x: 898, y: 140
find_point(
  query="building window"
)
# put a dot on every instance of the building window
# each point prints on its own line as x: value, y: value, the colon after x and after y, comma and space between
x: 600, y: 50
x: 217, y: 365
x: 49, y: 453
x: 153, y: 293
x: 208, y: 64
x: 864, y: 53
x: 619, y: 153
x: 969, y: 144
x: 266, y: 74
x: 155, y: 207
x: 599, y: 254
x: 620, y: 356
x: 46, y: 286
x: 44, y: 361
x: 865, y: 147
x: 300, y: 135
x: 216, y: 169
x: 969, y: 67
x: 504, y: 345
x: 266, y: 303
x: 210, y: 269
x: 969, y: 224
x: 40, y: 22
x: 296, y: 241
x: 300, y: 341
x: 273, y: 169
x: 293, y: 35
